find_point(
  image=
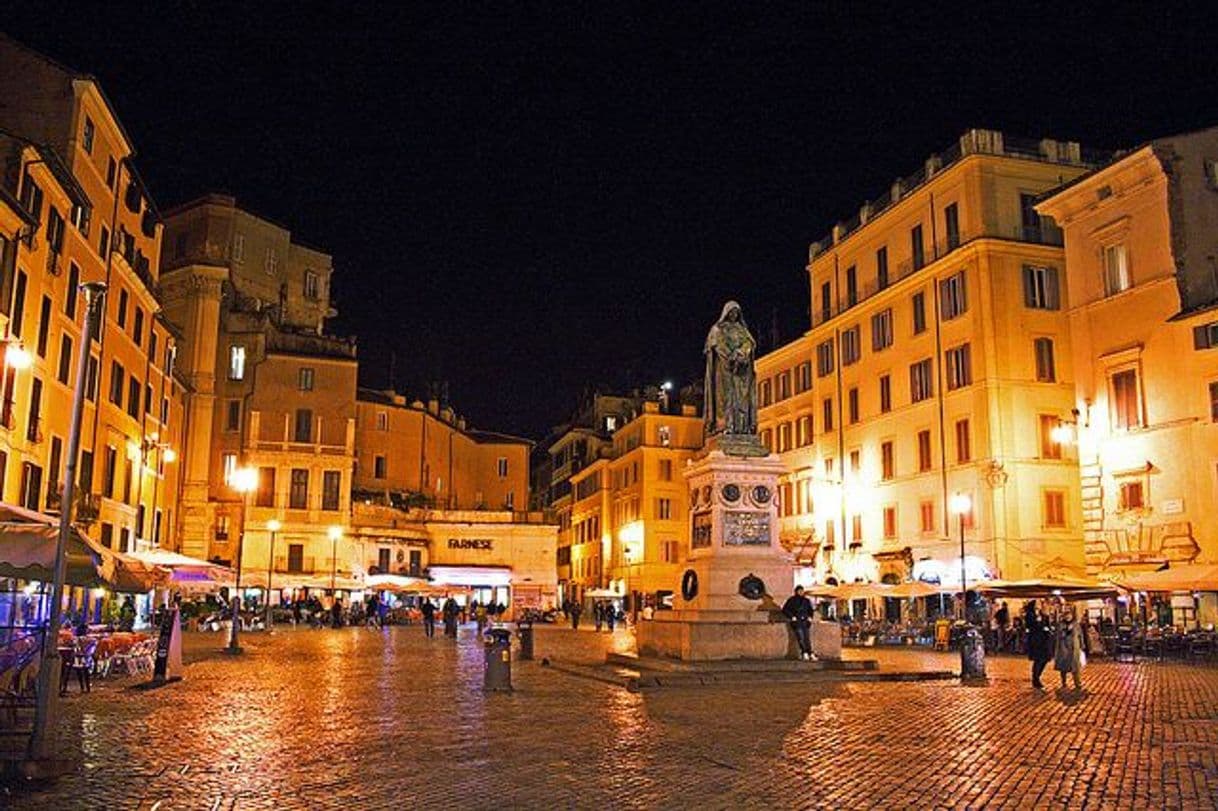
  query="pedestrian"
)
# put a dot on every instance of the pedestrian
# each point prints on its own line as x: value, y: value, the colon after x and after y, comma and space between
x: 1040, y: 641
x: 450, y: 612
x: 1002, y: 621
x: 126, y: 615
x: 481, y: 616
x: 598, y: 614
x: 1068, y: 657
x: 296, y: 616
x: 566, y: 609
x: 576, y: 610
x: 336, y: 613
x: 428, y: 610
x: 798, y: 610
x: 610, y: 615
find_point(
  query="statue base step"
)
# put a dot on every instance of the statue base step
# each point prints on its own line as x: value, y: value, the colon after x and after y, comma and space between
x: 712, y: 635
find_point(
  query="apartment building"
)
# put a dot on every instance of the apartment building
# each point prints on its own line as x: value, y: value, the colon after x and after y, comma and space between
x: 1140, y: 242
x: 86, y: 217
x: 938, y: 364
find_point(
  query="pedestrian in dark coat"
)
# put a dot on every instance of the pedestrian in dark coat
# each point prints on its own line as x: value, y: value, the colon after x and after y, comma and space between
x: 798, y: 610
x: 1040, y: 641
x: 428, y: 610
x: 610, y: 615
x: 576, y: 610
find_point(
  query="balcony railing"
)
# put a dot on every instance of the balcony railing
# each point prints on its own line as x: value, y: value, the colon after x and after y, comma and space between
x: 288, y: 565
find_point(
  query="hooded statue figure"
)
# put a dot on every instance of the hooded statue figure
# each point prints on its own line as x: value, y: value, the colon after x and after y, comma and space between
x: 730, y: 405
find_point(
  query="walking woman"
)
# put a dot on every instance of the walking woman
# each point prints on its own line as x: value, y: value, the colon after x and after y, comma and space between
x: 1040, y: 641
x: 1068, y: 657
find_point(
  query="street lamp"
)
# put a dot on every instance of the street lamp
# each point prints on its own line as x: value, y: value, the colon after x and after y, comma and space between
x: 244, y: 480
x: 961, y: 504
x: 16, y: 356
x: 273, y: 526
x: 49, y: 668
x: 335, y: 533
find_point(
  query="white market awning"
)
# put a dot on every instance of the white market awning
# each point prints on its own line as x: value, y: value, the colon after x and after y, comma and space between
x: 442, y: 575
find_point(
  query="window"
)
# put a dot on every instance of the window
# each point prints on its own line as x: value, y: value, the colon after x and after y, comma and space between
x: 238, y: 252
x: 784, y: 385
x: 919, y: 313
x: 1028, y: 218
x: 856, y: 529
x: 830, y: 534
x: 784, y: 437
x: 81, y: 218
x: 33, y: 428
x: 829, y: 467
x: 116, y: 383
x: 111, y: 172
x: 44, y: 326
x: 137, y: 327
x: 890, y: 522
x: 885, y: 394
x: 856, y: 461
x: 270, y: 262
x: 1046, y: 370
x: 1130, y: 496
x: 1214, y: 402
x: 664, y: 434
x: 91, y: 379
x: 312, y: 286
x: 1116, y: 269
x: 304, y: 380
x: 232, y: 416
x: 881, y: 268
x: 665, y: 470
x: 65, y: 359
x: 503, y: 467
x: 951, y: 218
x: 134, y: 390
x: 109, y: 471
x: 382, y: 420
x: 952, y: 296
x: 54, y: 233
x: 298, y: 497
x: 964, y: 452
x: 331, y: 481
x: 664, y: 509
x: 18, y: 305
x: 103, y: 243
x: 1055, y: 509
x: 303, y: 429
x: 881, y: 330
x: 120, y: 317
x: 1050, y: 448
x: 852, y: 286
x: 915, y: 247
x: 927, y: 512
x: 852, y: 402
x: 152, y: 345
x: 959, y: 367
x: 826, y: 302
x: 851, y: 345
x: 1041, y: 288
x: 803, y: 376
x: 236, y: 362
x: 1126, y: 410
x: 824, y: 358
x: 767, y: 439
x: 765, y: 391
x: 925, y: 462
x: 86, y: 137
x: 803, y: 431
x: 887, y: 461
x: 69, y: 295
x: 228, y: 463
x: 107, y: 535
x: 670, y: 552
x: 266, y: 487
x: 921, y: 386
x: 827, y: 414
x: 379, y: 465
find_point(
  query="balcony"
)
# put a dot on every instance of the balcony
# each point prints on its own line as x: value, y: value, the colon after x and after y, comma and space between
x: 288, y: 565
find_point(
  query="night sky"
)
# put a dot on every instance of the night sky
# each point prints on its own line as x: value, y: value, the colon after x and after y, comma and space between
x: 525, y: 200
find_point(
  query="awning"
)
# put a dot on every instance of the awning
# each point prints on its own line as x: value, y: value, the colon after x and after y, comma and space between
x: 189, y: 574
x: 1187, y: 577
x: 442, y: 575
x: 1070, y: 589
x: 396, y: 583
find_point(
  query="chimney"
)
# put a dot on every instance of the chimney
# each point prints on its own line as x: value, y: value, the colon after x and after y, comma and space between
x: 689, y: 411
x: 433, y: 405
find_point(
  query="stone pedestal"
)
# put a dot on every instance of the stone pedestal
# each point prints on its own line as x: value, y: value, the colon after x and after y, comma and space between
x: 733, y: 539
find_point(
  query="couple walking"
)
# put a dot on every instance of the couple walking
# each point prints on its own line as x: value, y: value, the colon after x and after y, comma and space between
x: 1063, y: 645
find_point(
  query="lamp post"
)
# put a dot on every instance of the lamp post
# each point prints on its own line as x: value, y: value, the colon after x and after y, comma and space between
x: 244, y: 480
x: 48, y: 670
x: 272, y: 525
x: 335, y: 532
x: 962, y: 505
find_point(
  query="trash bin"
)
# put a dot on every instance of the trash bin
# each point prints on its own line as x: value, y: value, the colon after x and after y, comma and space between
x: 524, y: 630
x: 498, y: 652
x: 972, y: 655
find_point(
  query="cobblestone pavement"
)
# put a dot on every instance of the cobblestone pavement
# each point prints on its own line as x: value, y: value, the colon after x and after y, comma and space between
x: 359, y: 718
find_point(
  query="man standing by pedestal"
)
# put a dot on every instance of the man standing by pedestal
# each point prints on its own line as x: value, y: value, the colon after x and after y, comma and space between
x: 798, y: 610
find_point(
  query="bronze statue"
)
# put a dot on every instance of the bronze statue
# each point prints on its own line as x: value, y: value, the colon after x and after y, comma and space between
x: 730, y: 405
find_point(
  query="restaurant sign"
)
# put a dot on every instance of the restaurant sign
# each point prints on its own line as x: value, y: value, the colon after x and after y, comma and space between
x: 470, y: 543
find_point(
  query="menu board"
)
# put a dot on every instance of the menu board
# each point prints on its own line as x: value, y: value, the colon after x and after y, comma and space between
x: 746, y: 528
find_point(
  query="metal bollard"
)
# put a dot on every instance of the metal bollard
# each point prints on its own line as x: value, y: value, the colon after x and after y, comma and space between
x: 498, y: 652
x: 524, y: 630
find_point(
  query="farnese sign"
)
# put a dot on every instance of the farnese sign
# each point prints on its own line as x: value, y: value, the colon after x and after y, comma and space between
x: 470, y: 543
